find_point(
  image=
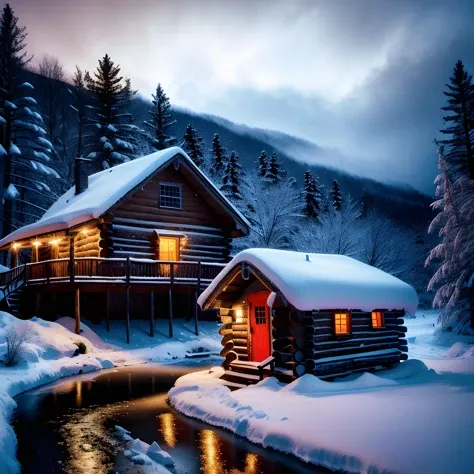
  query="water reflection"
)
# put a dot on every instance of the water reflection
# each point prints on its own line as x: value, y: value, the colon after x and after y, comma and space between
x: 78, y: 388
x: 168, y: 428
x: 211, y: 456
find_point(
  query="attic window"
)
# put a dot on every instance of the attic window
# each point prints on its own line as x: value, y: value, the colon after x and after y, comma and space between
x: 342, y: 323
x: 170, y: 196
x: 377, y: 319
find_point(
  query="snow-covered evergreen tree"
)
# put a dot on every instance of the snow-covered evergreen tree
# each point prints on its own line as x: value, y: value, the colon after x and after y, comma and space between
x: 24, y: 149
x: 336, y: 197
x: 274, y: 172
x: 193, y: 145
x: 273, y: 212
x: 459, y: 145
x: 231, y: 182
x: 262, y: 164
x: 454, y: 255
x: 218, y: 158
x: 160, y: 121
x: 312, y: 196
x: 111, y: 138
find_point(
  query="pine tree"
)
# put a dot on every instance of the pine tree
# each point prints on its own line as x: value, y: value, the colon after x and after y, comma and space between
x: 336, y: 196
x: 232, y: 178
x: 79, y: 95
x: 218, y: 158
x: 193, y: 145
x: 273, y: 175
x: 161, y: 121
x: 24, y: 151
x: 366, y: 203
x: 112, y: 136
x: 459, y: 146
x: 262, y: 164
x: 312, y: 195
x: 455, y: 253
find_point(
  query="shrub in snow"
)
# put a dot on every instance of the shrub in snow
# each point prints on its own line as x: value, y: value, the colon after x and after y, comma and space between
x: 16, y: 338
x: 81, y: 347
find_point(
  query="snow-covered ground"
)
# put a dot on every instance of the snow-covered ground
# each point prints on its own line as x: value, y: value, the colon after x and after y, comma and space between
x: 49, y: 355
x: 417, y: 418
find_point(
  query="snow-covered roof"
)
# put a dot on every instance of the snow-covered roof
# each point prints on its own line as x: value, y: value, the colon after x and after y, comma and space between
x: 105, y: 189
x: 320, y: 281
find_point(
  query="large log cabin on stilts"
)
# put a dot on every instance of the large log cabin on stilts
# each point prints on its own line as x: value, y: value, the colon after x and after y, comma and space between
x: 291, y: 313
x: 143, y: 237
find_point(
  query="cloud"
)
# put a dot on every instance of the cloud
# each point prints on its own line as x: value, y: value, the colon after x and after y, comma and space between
x: 363, y: 77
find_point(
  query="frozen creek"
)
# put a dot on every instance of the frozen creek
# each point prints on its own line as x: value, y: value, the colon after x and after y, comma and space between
x: 67, y: 427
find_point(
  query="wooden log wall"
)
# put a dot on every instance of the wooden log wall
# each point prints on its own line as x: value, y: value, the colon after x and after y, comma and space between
x: 319, y: 351
x: 235, y: 336
x: 88, y: 245
x: 133, y: 222
x: 282, y: 338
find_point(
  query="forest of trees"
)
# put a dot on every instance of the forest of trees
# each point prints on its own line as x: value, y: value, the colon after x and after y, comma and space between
x: 92, y: 115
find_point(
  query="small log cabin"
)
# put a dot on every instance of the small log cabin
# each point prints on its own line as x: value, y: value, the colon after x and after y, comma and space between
x: 327, y: 315
x: 153, y: 226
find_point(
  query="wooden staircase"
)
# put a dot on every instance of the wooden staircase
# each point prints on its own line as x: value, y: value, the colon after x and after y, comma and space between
x: 10, y: 293
x: 240, y: 373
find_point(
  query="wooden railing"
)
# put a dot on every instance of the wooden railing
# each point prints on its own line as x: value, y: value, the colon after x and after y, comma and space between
x: 114, y: 269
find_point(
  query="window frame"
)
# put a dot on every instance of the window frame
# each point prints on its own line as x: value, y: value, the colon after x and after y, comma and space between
x: 169, y: 183
x: 349, y: 322
x: 382, y: 319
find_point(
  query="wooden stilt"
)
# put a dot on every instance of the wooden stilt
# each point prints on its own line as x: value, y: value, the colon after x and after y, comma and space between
x: 77, y: 311
x: 196, y: 308
x: 127, y: 301
x: 196, y: 314
x: 152, y: 314
x: 170, y: 299
x: 107, y: 311
x: 53, y: 303
x: 38, y: 303
x: 127, y: 315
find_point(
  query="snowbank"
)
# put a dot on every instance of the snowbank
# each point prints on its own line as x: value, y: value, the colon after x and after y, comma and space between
x: 141, y: 453
x: 50, y: 355
x: 395, y: 421
x: 320, y: 281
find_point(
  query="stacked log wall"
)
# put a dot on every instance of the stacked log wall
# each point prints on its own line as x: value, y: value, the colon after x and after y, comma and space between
x: 134, y: 221
x: 235, y: 336
x: 327, y: 355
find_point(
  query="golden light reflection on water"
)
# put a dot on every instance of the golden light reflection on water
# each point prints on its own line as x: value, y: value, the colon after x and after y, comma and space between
x: 168, y: 428
x: 78, y: 394
x: 211, y: 456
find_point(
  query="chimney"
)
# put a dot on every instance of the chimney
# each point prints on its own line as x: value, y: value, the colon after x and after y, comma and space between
x: 81, y: 174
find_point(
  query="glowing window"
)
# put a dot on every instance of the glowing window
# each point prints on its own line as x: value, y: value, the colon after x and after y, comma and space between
x: 377, y: 319
x: 342, y: 323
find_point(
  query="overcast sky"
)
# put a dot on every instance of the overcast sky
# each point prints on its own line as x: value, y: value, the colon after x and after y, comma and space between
x: 364, y: 77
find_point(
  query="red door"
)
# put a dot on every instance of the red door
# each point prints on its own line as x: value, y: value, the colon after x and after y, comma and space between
x: 259, y: 325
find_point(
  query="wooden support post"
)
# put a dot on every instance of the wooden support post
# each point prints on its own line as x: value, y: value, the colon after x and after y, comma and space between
x: 107, y: 311
x: 77, y: 311
x: 127, y: 300
x: 14, y: 252
x: 198, y: 292
x: 38, y: 303
x: 170, y: 298
x: 152, y: 314
x: 71, y: 258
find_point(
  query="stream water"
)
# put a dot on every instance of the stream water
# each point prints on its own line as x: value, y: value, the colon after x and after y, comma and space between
x: 67, y: 427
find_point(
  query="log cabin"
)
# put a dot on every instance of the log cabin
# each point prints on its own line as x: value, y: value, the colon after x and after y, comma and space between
x: 293, y: 313
x: 156, y: 227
